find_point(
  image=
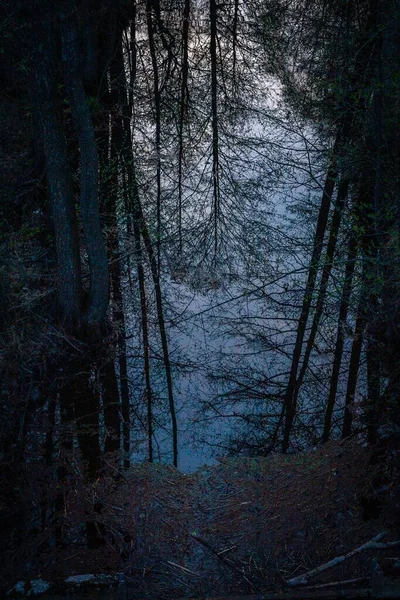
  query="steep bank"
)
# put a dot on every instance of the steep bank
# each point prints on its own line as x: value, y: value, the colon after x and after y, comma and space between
x: 244, y: 526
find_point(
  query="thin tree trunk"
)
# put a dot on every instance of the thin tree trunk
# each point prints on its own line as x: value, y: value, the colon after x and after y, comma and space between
x: 140, y: 230
x: 120, y: 125
x: 323, y: 286
x: 143, y: 302
x: 214, y: 111
x: 373, y: 375
x: 183, y: 111
x: 161, y: 323
x: 111, y: 407
x: 374, y: 238
x: 362, y: 315
x: 116, y: 405
x: 359, y: 75
x: 108, y: 378
x: 340, y: 334
x: 123, y: 368
x: 157, y: 105
x: 234, y: 43
x: 353, y: 371
x: 143, y: 305
x: 289, y: 407
x: 145, y: 335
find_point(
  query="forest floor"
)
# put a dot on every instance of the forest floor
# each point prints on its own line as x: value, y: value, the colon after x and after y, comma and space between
x: 244, y: 526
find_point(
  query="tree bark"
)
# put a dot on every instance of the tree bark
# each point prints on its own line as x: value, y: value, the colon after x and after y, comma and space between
x: 353, y: 371
x: 289, y: 406
x: 44, y: 93
x: 214, y: 121
x: 89, y: 170
x: 145, y: 333
x: 183, y: 111
x: 340, y: 334
x: 161, y: 323
x: 373, y: 375
x: 120, y: 145
x: 326, y: 271
x: 157, y: 107
x: 138, y: 214
x: 111, y: 407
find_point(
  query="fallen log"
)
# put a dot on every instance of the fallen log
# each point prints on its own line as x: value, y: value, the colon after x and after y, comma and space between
x: 371, y: 544
x: 335, y: 584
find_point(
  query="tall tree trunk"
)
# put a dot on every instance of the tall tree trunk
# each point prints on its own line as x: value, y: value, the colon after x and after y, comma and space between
x: 373, y: 380
x: 157, y: 107
x: 120, y: 123
x: 44, y: 93
x: 140, y: 230
x: 161, y: 322
x: 214, y: 121
x: 89, y: 169
x: 122, y: 364
x: 340, y: 334
x: 390, y: 252
x: 323, y: 286
x: 111, y: 407
x: 131, y: 206
x: 364, y: 220
x: 110, y: 394
x: 84, y: 392
x: 353, y: 371
x: 139, y: 217
x: 183, y: 111
x: 354, y: 109
x: 145, y: 333
x: 289, y: 407
x: 383, y: 329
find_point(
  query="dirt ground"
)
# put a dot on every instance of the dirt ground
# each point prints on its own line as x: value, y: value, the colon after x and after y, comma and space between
x: 246, y: 525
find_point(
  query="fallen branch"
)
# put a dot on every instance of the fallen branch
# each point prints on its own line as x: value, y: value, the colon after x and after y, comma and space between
x: 185, y: 569
x: 351, y: 594
x: 333, y: 584
x: 372, y: 544
x: 224, y: 560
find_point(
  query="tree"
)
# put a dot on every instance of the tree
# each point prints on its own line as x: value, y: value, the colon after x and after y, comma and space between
x: 85, y: 319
